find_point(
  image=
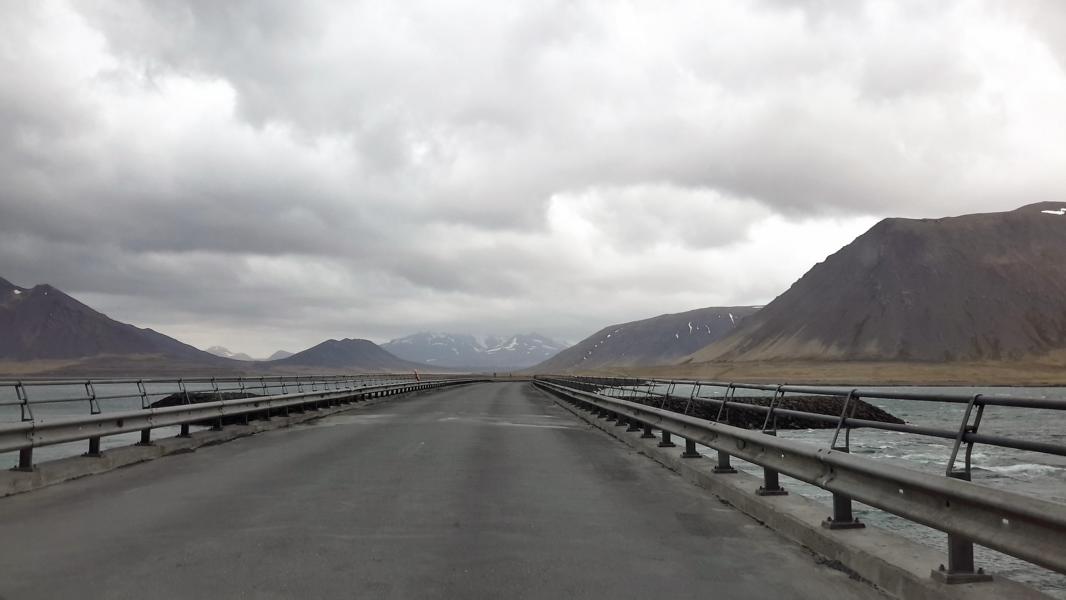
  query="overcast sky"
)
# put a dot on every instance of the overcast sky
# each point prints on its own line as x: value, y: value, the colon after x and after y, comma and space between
x: 269, y: 174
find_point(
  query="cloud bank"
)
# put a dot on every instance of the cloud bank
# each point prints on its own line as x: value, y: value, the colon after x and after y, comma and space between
x: 270, y: 174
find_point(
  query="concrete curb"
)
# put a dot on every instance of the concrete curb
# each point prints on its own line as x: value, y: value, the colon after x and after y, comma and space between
x: 899, y: 567
x: 65, y: 469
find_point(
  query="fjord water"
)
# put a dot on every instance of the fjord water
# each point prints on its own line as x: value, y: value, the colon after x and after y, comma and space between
x: 1039, y: 475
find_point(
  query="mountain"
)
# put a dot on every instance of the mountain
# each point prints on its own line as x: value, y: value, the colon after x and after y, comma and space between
x: 226, y: 353
x: 655, y: 341
x: 43, y: 323
x: 346, y: 355
x: 972, y: 288
x: 468, y: 352
x: 279, y: 355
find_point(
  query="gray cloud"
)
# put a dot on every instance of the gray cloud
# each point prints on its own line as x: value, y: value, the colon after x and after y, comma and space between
x: 267, y: 174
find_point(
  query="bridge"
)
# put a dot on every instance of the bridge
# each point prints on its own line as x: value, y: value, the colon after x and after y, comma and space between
x: 469, y: 487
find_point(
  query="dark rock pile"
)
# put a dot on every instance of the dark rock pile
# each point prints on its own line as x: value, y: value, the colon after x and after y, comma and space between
x: 180, y: 399
x: 753, y: 419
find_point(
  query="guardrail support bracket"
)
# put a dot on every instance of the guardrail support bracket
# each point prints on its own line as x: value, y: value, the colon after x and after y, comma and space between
x: 842, y: 517
x: 94, y: 448
x: 647, y: 432
x: 960, y: 568
x: 771, y: 484
x: 690, y: 450
x: 146, y: 438
x: 667, y: 442
x: 723, y: 465
x: 25, y: 460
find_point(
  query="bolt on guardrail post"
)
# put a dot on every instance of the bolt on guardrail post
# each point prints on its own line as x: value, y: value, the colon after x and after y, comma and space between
x: 723, y: 466
x: 690, y: 450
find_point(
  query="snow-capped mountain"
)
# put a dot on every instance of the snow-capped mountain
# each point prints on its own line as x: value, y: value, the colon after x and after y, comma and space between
x: 469, y: 352
x: 227, y: 353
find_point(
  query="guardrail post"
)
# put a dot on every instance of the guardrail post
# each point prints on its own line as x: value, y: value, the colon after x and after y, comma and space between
x: 25, y: 460
x: 667, y: 442
x: 960, y: 567
x: 184, y: 431
x: 633, y: 425
x: 771, y: 484
x: 647, y: 432
x: 842, y: 517
x: 690, y: 450
x: 146, y: 434
x: 723, y: 465
x: 94, y: 448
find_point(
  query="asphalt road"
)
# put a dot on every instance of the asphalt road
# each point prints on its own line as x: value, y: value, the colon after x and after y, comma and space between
x: 483, y: 491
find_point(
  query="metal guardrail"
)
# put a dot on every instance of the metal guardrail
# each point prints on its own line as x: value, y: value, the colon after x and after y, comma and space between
x: 260, y: 397
x: 1018, y: 525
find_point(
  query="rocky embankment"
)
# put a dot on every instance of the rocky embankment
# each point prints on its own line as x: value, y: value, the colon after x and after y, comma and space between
x: 180, y: 399
x: 735, y: 414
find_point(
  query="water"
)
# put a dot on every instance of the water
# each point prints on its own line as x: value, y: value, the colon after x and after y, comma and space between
x: 1034, y: 474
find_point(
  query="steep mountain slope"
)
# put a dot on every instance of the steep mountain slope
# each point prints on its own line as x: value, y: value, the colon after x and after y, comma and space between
x: 347, y: 355
x: 43, y: 323
x: 466, y: 351
x: 970, y: 288
x: 655, y: 341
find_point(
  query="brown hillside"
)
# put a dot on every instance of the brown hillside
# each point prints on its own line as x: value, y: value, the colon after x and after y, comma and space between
x: 972, y: 288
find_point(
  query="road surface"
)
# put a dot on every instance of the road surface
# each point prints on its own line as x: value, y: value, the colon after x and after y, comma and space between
x: 482, y: 491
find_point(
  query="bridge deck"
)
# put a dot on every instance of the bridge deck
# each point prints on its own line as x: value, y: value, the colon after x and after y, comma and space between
x: 483, y: 491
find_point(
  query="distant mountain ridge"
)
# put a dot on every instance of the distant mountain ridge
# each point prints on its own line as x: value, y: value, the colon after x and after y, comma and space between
x: 347, y: 355
x: 649, y: 342
x: 977, y: 287
x: 227, y: 353
x: 43, y: 323
x: 43, y: 330
x: 468, y: 352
